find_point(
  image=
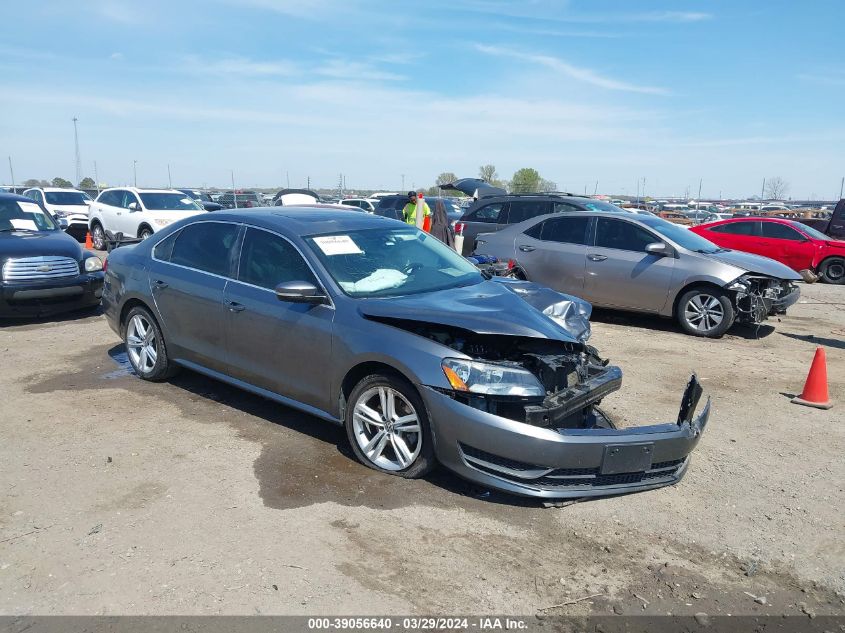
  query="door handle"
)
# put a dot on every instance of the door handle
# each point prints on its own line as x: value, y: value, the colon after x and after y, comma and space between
x: 526, y: 249
x: 234, y: 306
x: 596, y: 258
x: 161, y: 284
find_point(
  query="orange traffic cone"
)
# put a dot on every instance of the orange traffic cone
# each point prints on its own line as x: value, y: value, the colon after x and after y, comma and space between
x: 815, y: 389
x: 89, y: 243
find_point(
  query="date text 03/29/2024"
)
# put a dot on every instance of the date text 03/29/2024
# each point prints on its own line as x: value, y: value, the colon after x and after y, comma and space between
x: 419, y: 623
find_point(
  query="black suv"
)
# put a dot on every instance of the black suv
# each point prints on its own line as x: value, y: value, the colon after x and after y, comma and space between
x: 494, y: 212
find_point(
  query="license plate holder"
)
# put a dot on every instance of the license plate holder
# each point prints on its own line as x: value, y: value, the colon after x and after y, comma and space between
x: 627, y: 458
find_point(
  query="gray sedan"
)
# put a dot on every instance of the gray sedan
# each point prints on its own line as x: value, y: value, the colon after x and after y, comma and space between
x: 373, y: 325
x: 646, y: 264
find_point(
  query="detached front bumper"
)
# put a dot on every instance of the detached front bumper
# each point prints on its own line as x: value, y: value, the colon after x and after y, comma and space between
x: 52, y: 296
x: 559, y: 463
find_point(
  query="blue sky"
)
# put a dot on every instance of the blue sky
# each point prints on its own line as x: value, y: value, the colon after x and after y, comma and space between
x: 673, y: 91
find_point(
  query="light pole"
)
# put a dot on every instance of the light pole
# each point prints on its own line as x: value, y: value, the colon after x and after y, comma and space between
x: 169, y: 179
x: 76, y: 149
x: 135, y: 172
x: 12, y: 171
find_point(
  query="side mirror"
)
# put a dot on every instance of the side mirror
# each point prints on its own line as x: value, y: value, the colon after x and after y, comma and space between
x: 661, y: 249
x: 63, y: 224
x: 133, y: 206
x: 299, y: 292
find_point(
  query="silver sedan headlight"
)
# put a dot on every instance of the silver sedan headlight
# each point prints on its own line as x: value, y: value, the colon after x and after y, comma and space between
x: 491, y: 378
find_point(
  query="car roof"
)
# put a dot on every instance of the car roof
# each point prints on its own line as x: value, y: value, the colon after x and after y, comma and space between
x: 301, y: 219
x: 51, y: 189
x: 5, y: 195
x: 143, y: 190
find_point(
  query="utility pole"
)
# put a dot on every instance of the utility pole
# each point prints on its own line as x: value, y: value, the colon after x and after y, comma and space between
x: 76, y: 147
x: 234, y: 191
x: 638, y: 190
x: 308, y: 181
x: 763, y: 190
x: 12, y: 171
x: 135, y: 172
x: 643, y: 191
x: 169, y: 179
x: 698, y: 202
x: 841, y: 186
x: 96, y: 178
x: 596, y: 190
x: 287, y: 179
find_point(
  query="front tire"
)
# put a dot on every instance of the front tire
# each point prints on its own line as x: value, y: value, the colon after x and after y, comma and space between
x: 98, y: 237
x: 832, y: 270
x: 706, y: 312
x: 144, y: 232
x: 387, y: 426
x: 145, y: 346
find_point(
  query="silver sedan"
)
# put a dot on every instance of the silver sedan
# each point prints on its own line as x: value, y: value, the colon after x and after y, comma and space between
x: 646, y: 264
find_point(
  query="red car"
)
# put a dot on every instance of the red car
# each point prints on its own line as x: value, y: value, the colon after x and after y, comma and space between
x: 797, y: 245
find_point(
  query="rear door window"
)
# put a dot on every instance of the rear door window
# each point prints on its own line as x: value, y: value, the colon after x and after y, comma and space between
x: 489, y: 213
x: 521, y: 210
x: 735, y: 228
x: 206, y: 246
x: 622, y: 235
x: 566, y: 230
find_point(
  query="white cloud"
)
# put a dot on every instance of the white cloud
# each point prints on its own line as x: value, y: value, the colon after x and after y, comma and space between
x: 116, y: 56
x: 239, y: 66
x: 835, y: 78
x: 578, y: 73
x: 351, y: 71
x: 118, y: 11
x: 293, y: 8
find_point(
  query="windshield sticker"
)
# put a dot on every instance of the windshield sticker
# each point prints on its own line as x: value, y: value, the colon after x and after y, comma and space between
x: 337, y: 245
x: 23, y: 225
x: 30, y: 207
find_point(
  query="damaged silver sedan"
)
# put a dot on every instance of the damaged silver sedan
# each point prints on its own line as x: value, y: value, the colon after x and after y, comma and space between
x: 376, y: 326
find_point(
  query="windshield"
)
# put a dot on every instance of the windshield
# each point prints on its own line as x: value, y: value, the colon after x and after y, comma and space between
x: 17, y: 215
x: 391, y: 262
x: 809, y: 230
x: 71, y: 198
x: 168, y: 202
x: 191, y: 194
x: 680, y: 236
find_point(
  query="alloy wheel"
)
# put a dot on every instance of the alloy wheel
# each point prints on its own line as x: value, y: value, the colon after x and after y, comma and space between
x: 98, y: 237
x: 141, y: 344
x: 386, y: 428
x: 704, y: 312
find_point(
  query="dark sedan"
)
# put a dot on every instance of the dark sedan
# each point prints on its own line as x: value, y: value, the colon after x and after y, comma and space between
x: 44, y: 270
x: 379, y: 327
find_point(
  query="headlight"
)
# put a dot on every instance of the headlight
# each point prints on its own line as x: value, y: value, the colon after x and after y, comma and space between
x: 162, y: 222
x: 491, y: 378
x: 93, y: 264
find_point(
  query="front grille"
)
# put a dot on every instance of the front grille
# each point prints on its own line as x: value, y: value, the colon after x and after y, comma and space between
x: 546, y: 477
x: 38, y: 268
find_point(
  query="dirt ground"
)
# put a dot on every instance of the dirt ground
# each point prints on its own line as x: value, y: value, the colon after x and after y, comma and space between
x: 119, y: 496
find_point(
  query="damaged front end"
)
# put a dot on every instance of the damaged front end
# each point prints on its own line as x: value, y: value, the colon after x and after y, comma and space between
x: 757, y: 297
x: 522, y: 413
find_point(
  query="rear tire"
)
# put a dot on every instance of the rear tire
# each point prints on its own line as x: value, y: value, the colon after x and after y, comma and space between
x: 387, y: 426
x: 145, y: 346
x: 832, y: 270
x: 706, y: 312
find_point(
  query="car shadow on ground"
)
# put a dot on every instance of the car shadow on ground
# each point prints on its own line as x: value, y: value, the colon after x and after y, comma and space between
x: 660, y: 324
x: 63, y: 317
x: 332, y: 435
x: 815, y: 340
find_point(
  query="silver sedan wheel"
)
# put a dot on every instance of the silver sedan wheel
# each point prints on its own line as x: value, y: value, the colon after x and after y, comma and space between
x: 704, y: 312
x: 386, y: 428
x: 141, y: 344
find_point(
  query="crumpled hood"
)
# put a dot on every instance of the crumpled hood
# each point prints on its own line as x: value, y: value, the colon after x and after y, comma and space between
x: 756, y: 264
x: 505, y: 307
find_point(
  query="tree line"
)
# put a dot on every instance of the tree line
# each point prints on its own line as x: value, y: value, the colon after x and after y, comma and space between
x: 85, y: 183
x: 525, y: 180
